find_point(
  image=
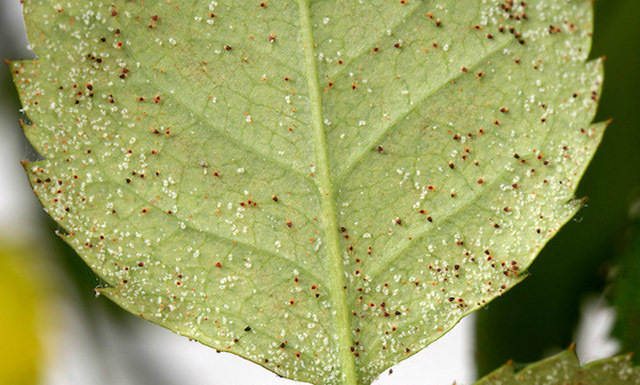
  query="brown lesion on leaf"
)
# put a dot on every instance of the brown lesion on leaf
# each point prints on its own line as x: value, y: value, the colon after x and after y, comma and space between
x: 154, y: 20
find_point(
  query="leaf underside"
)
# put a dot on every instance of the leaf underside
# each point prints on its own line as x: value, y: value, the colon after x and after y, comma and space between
x: 323, y: 187
x: 565, y: 369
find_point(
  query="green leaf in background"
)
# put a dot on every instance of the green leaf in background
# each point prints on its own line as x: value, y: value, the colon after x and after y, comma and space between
x: 545, y: 310
x: 565, y: 368
x: 322, y: 187
x: 624, y: 294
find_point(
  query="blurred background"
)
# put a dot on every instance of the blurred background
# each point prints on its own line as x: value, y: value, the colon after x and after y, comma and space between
x: 582, y: 288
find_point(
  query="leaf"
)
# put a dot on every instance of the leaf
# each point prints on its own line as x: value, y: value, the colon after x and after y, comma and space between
x: 565, y: 368
x: 623, y: 294
x: 322, y: 187
x: 545, y: 309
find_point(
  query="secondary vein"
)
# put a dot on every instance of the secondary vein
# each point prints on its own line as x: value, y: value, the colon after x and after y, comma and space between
x: 360, y: 153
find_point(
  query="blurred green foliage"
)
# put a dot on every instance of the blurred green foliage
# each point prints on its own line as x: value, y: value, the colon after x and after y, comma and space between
x: 540, y: 315
x: 624, y: 294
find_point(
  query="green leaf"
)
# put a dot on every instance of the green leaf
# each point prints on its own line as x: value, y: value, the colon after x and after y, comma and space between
x: 565, y: 368
x: 545, y: 309
x: 624, y: 296
x: 322, y: 187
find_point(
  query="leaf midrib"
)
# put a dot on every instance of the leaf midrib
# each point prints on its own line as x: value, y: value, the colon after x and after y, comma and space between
x: 327, y: 201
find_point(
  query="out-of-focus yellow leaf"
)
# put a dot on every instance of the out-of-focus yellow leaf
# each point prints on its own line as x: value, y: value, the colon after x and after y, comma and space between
x: 20, y: 354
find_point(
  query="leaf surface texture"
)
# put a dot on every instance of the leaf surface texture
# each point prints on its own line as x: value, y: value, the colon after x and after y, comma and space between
x: 322, y: 187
